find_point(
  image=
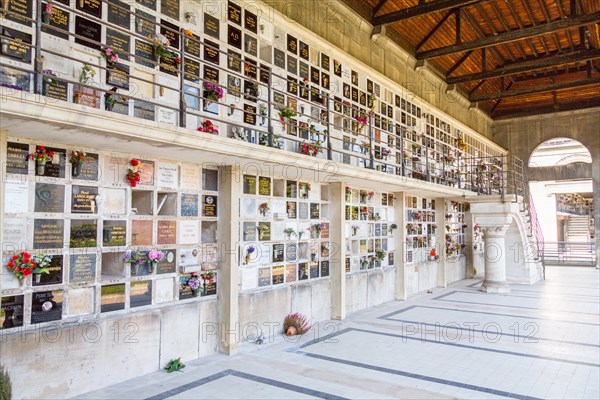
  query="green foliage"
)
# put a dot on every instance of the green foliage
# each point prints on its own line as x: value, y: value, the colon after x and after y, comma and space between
x: 175, y: 365
x: 5, y: 385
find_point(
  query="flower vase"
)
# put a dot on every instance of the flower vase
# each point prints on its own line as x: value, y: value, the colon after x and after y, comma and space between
x: 5, y: 5
x: 75, y: 169
x: 21, y: 282
x: 81, y: 3
x: 186, y: 41
x: 354, y: 230
x: 313, y: 257
x: 109, y: 106
x: 260, y: 235
x: 205, y: 288
x: 4, y: 46
x: 37, y: 278
x: 46, y: 17
x: 247, y: 258
x: 157, y: 58
x: 40, y: 167
x: 152, y: 267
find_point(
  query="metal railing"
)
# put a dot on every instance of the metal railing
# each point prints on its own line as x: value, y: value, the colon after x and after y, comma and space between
x: 570, y: 253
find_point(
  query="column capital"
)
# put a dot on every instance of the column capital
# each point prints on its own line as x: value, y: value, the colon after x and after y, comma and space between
x: 491, y: 231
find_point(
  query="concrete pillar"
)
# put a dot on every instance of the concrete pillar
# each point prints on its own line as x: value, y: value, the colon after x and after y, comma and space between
x: 596, y: 199
x: 229, y: 273
x: 337, y: 265
x: 495, y: 259
x: 400, y: 246
x: 440, y: 240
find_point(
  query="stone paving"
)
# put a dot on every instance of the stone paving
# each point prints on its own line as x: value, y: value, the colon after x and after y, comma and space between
x: 540, y: 341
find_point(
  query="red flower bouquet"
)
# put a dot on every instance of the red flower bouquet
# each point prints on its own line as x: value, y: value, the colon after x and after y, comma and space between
x: 133, y: 175
x: 208, y: 127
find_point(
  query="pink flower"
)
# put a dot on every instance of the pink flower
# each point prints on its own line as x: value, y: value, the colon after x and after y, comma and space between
x: 114, y: 58
x: 108, y: 51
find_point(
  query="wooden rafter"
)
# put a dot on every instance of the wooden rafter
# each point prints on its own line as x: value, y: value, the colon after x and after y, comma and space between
x: 434, y: 30
x: 422, y: 9
x: 512, y: 36
x: 577, y: 105
x: 378, y: 7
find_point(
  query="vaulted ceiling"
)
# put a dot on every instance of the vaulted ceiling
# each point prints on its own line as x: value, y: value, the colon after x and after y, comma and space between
x: 510, y: 57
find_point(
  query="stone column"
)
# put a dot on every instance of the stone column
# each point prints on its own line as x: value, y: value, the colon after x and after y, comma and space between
x: 400, y: 246
x: 337, y: 265
x: 440, y: 240
x: 495, y: 259
x: 229, y: 273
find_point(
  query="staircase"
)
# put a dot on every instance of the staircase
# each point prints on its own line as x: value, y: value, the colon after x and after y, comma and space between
x: 578, y: 229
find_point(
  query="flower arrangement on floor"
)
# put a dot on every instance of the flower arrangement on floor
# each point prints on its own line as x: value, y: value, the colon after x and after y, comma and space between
x: 311, y: 149
x: 76, y: 158
x: 24, y: 264
x: 133, y: 174
x: 296, y: 324
x: 289, y: 232
x: 263, y: 209
x: 249, y: 251
x: 110, y: 55
x: 175, y: 365
x: 212, y: 92
x: 208, y: 127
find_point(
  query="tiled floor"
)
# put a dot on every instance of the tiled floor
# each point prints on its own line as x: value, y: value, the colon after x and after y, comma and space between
x: 540, y: 341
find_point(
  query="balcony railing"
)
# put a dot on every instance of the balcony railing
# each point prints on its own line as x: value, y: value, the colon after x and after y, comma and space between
x: 322, y: 126
x: 570, y: 253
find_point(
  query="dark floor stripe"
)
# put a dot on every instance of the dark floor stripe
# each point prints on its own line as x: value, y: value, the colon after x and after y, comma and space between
x: 422, y: 377
x: 254, y: 378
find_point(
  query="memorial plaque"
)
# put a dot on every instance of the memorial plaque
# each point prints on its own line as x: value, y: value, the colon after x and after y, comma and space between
x: 314, y: 210
x: 264, y: 233
x: 15, y: 192
x: 144, y: 23
x: 118, y: 76
x: 250, y: 21
x: 112, y: 298
x: 151, y: 4
x: 315, y: 76
x: 170, y: 8
x: 143, y: 53
x: 346, y: 90
x: 192, y: 45
x: 303, y: 70
x: 118, y: 13
x: 83, y: 233
x: 314, y: 269
x: 302, y: 271
x: 59, y: 20
x: 264, y: 74
x: 292, y: 44
x: 140, y: 293
x: 90, y: 30
x: 278, y: 275
x: 141, y: 233
x: 290, y: 273
x: 278, y: 99
x: 92, y: 7
x: 114, y: 233
x: 234, y: 36
x: 234, y: 13
x: 170, y: 31
x: 46, y: 306
x: 325, y: 230
x: 325, y: 81
x: 48, y: 233
x: 191, y: 72
x: 169, y: 66
x: 19, y: 9
x: 264, y: 186
x: 166, y: 232
x: 292, y: 65
x: 390, y: 257
x: 211, y: 26
x: 17, y: 46
x: 11, y: 311
x: 249, y: 231
x: 249, y: 184
x: 56, y: 272
x: 16, y: 158
x: 56, y: 90
x: 210, y: 179
x: 279, y: 58
x: 292, y: 85
x: 249, y: 114
x: 188, y: 232
x: 144, y: 110
x: 211, y: 74
x: 363, y: 98
x: 291, y: 252
x: 167, y: 175
x: 347, y: 264
x: 234, y: 61
x: 278, y: 250
x: 209, y: 206
x: 264, y: 276
x: 83, y: 199
x: 355, y: 95
x: 189, y: 205
x: 250, y: 45
x: 291, y: 210
x: 325, y: 61
x: 370, y: 86
x: 146, y: 169
x: 119, y: 42
x: 303, y: 211
x: 167, y: 265
x: 304, y: 51
x: 354, y: 78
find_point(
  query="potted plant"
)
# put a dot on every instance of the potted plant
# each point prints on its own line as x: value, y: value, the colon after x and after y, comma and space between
x: 212, y: 93
x: 249, y: 251
x: 76, y: 158
x: 208, y: 127
x: 289, y: 232
x: 380, y: 254
x: 154, y: 256
x: 133, y: 174
x: 41, y: 158
x: 296, y: 324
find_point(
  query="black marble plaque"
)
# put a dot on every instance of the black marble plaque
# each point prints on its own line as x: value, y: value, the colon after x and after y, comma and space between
x: 144, y: 23
x: 278, y: 99
x: 189, y: 205
x: 118, y: 76
x: 211, y: 26
x: 315, y: 76
x: 16, y: 158
x: 314, y: 210
x: 346, y: 90
x: 209, y: 206
x: 211, y: 52
x: 192, y: 70
x: 59, y: 20
x: 304, y: 51
x: 171, y: 32
x: 87, y: 29
x: 304, y: 92
x: 119, y: 42
x: 56, y: 273
x: 49, y: 198
x: 325, y: 81
x: 83, y: 199
x: 211, y: 74
x: 314, y: 269
x: 11, y: 311
x: 170, y: 65
x: 117, y: 13
x: 17, y: 47
x: 143, y: 53
x: 347, y: 264
x: 355, y: 95
x: 234, y: 85
x: 92, y: 7
x: 170, y: 8
x: 151, y: 4
x: 278, y: 275
x: 88, y: 170
x: 250, y: 45
x: 114, y: 233
x: 249, y: 114
x: 337, y: 68
x: 302, y: 271
x: 264, y: 74
x: 234, y: 36
x: 234, y: 13
x: 324, y: 268
x: 84, y: 233
x: 354, y: 78
x: 279, y: 58
x: 168, y: 263
x: 291, y: 210
x: 46, y: 306
x: 250, y: 68
x: 48, y: 233
x: 250, y: 21
x: 325, y: 61
x: 57, y: 90
x: 264, y: 186
x: 234, y: 61
x: 144, y: 110
x: 292, y: 44
x: 303, y: 70
x: 192, y: 45
x: 278, y: 252
x: 19, y: 9
x: 292, y: 65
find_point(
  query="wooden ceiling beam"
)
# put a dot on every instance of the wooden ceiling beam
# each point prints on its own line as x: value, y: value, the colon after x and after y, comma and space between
x: 421, y: 9
x: 528, y: 65
x: 490, y: 24
x: 506, y: 37
x: 535, y: 89
x: 524, y: 111
x: 378, y: 7
x: 478, y: 31
x: 506, y: 26
x: 458, y: 63
x: 434, y: 30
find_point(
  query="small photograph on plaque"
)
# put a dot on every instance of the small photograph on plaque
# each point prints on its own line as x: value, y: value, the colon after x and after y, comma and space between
x: 48, y: 233
x: 83, y: 233
x: 249, y: 184
x: 140, y: 293
x: 16, y: 158
x: 56, y: 273
x: 278, y: 250
x: 11, y: 311
x: 83, y: 199
x: 189, y: 205
x: 46, y: 306
x: 82, y: 268
x: 209, y: 206
x: 112, y: 298
x: 49, y: 198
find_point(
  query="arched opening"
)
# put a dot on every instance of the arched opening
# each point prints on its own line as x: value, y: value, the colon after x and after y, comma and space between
x: 561, y: 189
